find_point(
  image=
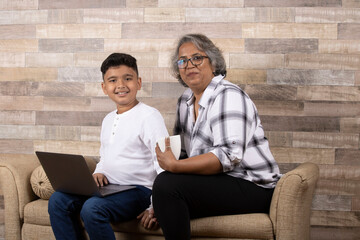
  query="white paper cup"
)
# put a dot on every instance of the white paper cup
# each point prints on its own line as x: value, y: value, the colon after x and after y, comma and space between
x: 175, y: 144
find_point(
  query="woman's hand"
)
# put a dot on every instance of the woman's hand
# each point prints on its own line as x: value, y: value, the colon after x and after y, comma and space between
x: 100, y: 179
x: 205, y: 164
x: 166, y: 159
x: 148, y: 219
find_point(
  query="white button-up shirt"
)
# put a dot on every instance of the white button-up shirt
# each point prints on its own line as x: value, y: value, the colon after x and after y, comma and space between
x: 128, y: 141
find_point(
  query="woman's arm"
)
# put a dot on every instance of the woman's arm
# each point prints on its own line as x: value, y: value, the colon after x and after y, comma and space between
x: 205, y: 164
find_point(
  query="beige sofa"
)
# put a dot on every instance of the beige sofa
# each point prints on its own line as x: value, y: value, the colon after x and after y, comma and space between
x: 26, y: 215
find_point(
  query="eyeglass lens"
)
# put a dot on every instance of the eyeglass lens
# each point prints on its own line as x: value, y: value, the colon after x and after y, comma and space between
x: 196, y: 60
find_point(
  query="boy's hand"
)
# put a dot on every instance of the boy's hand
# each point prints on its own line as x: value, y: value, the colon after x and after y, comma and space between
x: 100, y: 179
x: 148, y: 219
x: 166, y: 159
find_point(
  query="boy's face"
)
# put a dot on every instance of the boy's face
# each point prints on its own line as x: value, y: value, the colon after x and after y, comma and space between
x: 121, y: 85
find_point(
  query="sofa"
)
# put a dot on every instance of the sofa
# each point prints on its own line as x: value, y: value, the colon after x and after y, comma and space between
x: 26, y: 215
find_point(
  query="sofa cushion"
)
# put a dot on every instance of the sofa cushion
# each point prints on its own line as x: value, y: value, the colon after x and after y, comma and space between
x: 40, y: 183
x: 34, y: 231
x: 36, y: 212
x: 251, y: 226
x: 231, y: 226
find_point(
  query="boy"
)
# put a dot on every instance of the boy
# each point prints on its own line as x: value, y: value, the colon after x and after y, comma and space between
x: 127, y: 157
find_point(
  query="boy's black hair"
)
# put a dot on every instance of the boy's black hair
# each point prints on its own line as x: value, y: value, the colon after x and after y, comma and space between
x: 118, y: 59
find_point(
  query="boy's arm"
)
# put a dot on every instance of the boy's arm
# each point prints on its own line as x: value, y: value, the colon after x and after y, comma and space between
x: 154, y: 129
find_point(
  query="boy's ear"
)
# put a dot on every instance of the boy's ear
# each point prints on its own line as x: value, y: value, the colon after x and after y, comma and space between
x: 103, y: 87
x: 139, y: 83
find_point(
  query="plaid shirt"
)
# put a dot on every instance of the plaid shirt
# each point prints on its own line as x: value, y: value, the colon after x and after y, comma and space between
x: 228, y: 126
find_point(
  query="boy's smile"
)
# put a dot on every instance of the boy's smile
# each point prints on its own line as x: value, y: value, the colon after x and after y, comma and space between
x: 121, y: 85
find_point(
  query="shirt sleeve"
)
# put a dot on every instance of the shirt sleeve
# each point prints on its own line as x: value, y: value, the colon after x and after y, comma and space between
x: 179, y: 130
x: 233, y: 122
x: 99, y: 165
x: 154, y: 129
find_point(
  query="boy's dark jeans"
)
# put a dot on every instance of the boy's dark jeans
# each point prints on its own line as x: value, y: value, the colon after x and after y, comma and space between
x: 96, y: 213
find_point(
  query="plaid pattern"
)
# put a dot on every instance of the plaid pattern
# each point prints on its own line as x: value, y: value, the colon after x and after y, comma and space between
x: 228, y: 125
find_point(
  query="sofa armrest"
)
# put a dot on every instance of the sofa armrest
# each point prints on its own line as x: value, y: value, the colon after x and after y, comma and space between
x: 291, y: 203
x: 15, y: 173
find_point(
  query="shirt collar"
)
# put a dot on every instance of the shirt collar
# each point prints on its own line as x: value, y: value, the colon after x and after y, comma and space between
x: 207, y: 93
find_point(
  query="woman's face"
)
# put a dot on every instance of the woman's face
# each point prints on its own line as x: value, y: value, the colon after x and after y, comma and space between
x: 196, y: 77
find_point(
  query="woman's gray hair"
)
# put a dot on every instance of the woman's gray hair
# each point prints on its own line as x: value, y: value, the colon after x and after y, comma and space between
x: 204, y: 44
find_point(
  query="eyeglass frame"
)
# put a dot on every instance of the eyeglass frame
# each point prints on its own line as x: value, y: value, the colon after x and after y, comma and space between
x: 190, y: 59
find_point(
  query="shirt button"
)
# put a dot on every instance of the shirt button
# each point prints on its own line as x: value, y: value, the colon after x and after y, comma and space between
x: 233, y: 142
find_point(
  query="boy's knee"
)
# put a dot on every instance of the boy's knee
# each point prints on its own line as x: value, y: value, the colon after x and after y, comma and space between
x: 53, y: 198
x: 88, y: 209
x: 55, y: 202
x: 92, y: 210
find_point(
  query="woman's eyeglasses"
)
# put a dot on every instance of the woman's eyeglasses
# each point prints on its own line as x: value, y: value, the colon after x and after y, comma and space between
x: 195, y: 60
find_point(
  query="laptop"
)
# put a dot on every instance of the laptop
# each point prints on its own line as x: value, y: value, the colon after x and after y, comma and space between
x: 69, y: 173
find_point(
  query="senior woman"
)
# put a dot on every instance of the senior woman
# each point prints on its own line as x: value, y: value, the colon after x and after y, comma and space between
x: 226, y: 166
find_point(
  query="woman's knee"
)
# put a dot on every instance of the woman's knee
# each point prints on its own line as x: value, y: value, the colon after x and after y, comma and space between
x: 167, y: 183
x: 163, y: 182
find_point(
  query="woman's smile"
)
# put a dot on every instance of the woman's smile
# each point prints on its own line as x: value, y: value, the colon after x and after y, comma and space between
x: 191, y: 74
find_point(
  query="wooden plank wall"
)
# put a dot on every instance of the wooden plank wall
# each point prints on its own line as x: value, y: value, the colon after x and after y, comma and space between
x: 299, y: 60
